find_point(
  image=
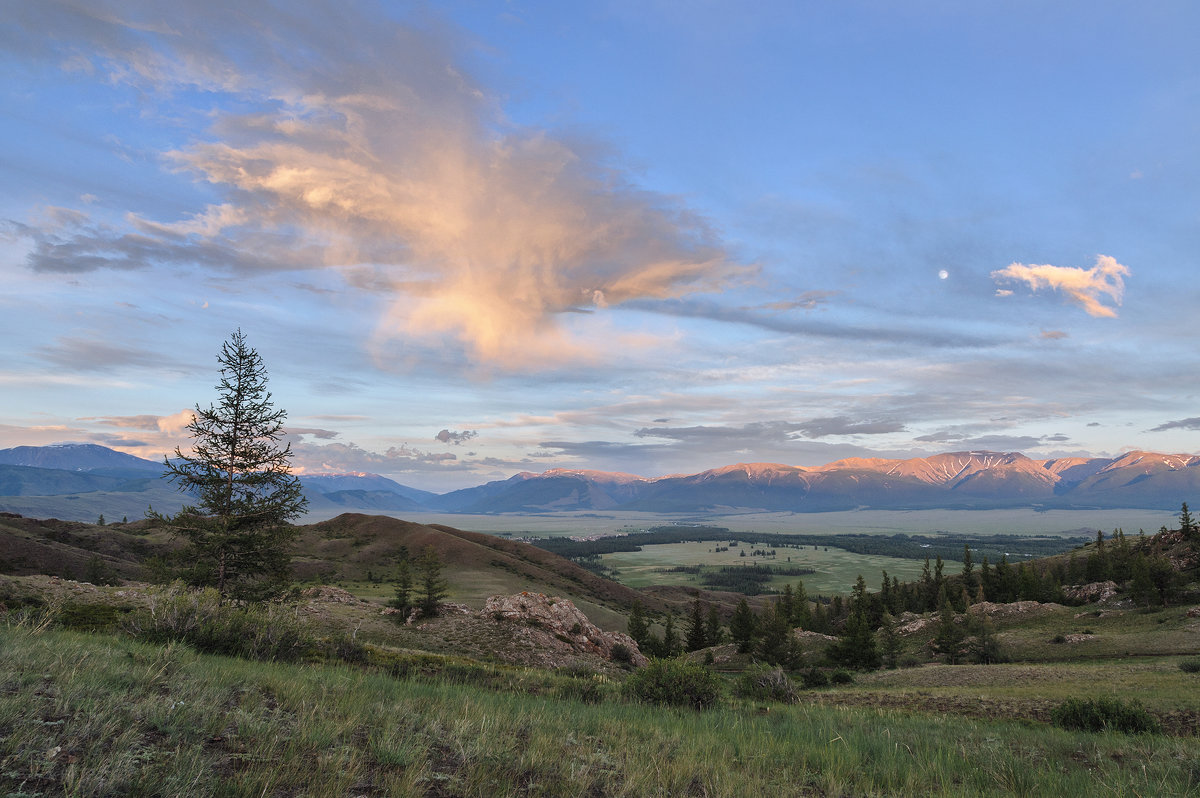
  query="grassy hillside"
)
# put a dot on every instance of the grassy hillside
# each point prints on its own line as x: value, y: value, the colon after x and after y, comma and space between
x: 451, y: 707
x: 142, y: 720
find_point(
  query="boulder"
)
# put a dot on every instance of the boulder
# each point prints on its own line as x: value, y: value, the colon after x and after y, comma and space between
x: 557, y: 624
x: 1092, y: 593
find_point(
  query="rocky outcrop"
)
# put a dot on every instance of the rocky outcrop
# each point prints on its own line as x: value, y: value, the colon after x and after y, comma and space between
x: 1015, y: 609
x: 556, y: 624
x: 1092, y: 593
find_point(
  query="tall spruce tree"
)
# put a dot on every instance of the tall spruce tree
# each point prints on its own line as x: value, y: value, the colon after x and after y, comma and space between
x: 246, y: 494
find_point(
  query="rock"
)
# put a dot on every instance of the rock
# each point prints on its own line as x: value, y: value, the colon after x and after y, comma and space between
x: 1092, y: 593
x: 330, y: 595
x: 557, y: 624
x: 914, y: 624
x: 1015, y: 608
x: 809, y: 635
x: 1078, y: 638
x: 1194, y: 612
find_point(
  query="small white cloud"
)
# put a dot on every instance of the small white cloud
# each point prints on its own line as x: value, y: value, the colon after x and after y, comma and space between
x: 1085, y: 287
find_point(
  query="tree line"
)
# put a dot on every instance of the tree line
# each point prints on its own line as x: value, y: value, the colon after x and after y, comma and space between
x: 865, y: 623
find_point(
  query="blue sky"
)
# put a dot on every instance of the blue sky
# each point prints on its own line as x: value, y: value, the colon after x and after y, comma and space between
x: 471, y: 239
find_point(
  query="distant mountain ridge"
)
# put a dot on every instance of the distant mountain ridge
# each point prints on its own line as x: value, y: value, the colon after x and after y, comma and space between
x: 967, y: 480
x: 71, y: 478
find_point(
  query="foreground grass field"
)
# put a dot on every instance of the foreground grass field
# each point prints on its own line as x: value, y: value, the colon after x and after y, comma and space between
x: 92, y: 715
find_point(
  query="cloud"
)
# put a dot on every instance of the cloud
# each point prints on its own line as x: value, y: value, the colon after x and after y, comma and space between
x: 960, y: 439
x: 841, y: 425
x: 361, y: 142
x: 772, y: 432
x: 172, y: 425
x: 1054, y: 335
x: 92, y: 354
x: 311, y: 458
x: 314, y: 432
x: 456, y: 438
x: 1183, y: 423
x: 1085, y: 287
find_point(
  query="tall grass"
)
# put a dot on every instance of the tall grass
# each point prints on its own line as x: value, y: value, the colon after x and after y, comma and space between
x: 91, y: 715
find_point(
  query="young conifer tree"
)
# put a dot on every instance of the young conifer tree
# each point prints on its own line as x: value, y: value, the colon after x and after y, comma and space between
x: 241, y: 477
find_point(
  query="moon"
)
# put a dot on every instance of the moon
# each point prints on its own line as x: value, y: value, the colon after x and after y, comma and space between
x: 943, y: 274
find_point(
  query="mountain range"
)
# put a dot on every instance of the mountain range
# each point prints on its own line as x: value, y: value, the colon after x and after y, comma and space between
x: 77, y: 481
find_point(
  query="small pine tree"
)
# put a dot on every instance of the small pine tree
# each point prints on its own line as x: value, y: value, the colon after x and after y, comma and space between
x: 801, y: 612
x: 713, y: 633
x: 100, y: 521
x: 856, y: 648
x: 743, y: 626
x: 696, y: 639
x: 948, y: 637
x: 637, y: 626
x: 432, y: 586
x: 889, y: 642
x: 670, y: 644
x: 968, y: 571
x: 1186, y: 525
x: 986, y: 647
x: 404, y: 585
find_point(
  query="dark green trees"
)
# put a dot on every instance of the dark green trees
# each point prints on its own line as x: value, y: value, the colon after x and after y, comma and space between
x: 404, y: 585
x: 431, y: 588
x: 241, y: 477
x: 638, y: 627
x: 743, y: 626
x: 856, y: 648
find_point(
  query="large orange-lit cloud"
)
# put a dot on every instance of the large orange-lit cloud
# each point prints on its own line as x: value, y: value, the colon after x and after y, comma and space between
x: 1086, y: 287
x: 365, y: 138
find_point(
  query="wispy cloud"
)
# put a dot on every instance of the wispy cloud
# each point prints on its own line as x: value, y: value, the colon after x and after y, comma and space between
x: 1183, y: 423
x: 1085, y: 287
x: 361, y: 142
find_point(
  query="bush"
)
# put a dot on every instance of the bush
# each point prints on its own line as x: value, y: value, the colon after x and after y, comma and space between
x: 200, y: 619
x: 1190, y: 666
x: 674, y: 682
x: 622, y: 655
x: 1104, y: 714
x: 761, y: 683
x: 841, y: 676
x: 814, y: 677
x: 90, y: 617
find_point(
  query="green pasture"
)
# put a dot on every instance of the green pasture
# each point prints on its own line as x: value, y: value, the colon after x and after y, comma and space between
x: 835, y: 569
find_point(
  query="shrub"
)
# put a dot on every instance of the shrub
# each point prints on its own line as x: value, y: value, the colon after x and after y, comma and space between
x: 761, y: 683
x: 587, y: 691
x: 622, y: 654
x: 90, y: 617
x: 674, y: 682
x: 200, y: 619
x: 841, y: 676
x: 814, y: 677
x: 1190, y: 666
x: 1104, y: 714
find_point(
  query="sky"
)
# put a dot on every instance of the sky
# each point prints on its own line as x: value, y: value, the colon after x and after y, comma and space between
x: 471, y: 239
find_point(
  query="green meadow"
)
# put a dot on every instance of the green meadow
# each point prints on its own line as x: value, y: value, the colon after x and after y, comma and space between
x: 835, y: 569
